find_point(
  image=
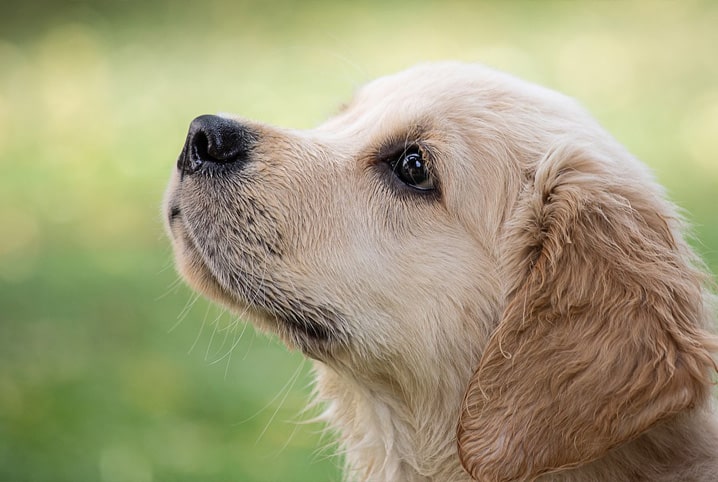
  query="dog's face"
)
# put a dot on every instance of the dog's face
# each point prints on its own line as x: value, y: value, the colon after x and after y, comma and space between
x: 451, y: 217
x: 337, y: 238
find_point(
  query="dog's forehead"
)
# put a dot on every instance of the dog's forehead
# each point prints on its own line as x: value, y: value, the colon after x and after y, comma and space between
x: 433, y: 94
x: 413, y: 96
x: 425, y: 86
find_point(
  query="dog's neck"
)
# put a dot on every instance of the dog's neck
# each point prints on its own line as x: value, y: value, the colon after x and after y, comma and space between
x: 386, y: 435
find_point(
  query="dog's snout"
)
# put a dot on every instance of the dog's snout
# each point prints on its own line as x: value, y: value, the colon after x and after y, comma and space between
x: 214, y: 140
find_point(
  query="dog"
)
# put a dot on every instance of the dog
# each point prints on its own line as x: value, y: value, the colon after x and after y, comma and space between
x: 491, y: 286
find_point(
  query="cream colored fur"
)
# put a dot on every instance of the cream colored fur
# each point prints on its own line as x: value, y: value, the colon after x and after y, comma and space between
x: 538, y: 317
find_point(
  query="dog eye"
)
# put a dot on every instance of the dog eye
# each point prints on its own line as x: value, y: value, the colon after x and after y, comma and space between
x: 411, y: 169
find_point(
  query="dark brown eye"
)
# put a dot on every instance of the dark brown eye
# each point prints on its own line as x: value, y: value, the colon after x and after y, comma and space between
x: 410, y: 168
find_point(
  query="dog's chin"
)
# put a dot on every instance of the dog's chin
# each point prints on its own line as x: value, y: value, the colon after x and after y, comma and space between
x: 298, y: 329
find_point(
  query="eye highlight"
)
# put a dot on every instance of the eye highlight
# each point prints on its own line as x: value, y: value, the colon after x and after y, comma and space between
x: 411, y: 169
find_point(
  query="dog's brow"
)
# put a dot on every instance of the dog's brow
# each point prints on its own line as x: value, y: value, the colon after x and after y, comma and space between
x: 401, y: 140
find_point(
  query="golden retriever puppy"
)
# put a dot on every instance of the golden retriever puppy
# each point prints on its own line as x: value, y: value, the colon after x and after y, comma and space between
x: 491, y: 286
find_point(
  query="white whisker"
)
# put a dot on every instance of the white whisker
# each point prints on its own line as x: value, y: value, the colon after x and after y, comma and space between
x: 287, y: 391
x: 185, y: 311
x: 287, y: 386
x: 201, y: 329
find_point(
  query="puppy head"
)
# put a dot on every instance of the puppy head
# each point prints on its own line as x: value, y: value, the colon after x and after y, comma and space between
x: 371, y: 237
x: 448, y: 217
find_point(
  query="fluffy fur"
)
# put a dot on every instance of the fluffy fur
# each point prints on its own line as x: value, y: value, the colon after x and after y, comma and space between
x: 538, y: 316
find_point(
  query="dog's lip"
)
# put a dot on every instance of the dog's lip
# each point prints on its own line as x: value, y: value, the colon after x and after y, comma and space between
x: 173, y: 213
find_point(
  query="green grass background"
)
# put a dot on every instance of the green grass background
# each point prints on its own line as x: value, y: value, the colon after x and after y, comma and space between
x: 110, y: 369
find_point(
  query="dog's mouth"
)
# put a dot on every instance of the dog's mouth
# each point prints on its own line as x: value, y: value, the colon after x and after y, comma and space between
x: 315, y: 328
x: 173, y: 214
x: 232, y: 253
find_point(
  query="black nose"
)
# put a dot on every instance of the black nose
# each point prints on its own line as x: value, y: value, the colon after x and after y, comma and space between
x: 214, y: 140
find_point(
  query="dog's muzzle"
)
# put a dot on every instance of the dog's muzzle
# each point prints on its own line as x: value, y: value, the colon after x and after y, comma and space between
x: 213, y: 141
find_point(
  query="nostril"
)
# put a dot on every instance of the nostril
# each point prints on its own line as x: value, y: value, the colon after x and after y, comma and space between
x: 198, y: 146
x: 216, y: 140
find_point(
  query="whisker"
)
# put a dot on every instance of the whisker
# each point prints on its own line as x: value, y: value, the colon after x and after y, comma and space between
x: 288, y: 385
x: 201, y: 329
x: 211, y: 338
x: 235, y: 341
x: 287, y: 441
x: 170, y: 289
x: 185, y: 311
x: 221, y: 329
x: 293, y: 380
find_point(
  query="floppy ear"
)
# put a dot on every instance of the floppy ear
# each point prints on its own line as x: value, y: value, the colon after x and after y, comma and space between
x: 601, y: 336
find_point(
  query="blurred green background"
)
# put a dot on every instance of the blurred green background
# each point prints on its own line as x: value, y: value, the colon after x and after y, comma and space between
x: 110, y: 368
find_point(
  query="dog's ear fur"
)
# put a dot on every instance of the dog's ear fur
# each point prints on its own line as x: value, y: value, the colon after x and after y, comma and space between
x: 602, y: 333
